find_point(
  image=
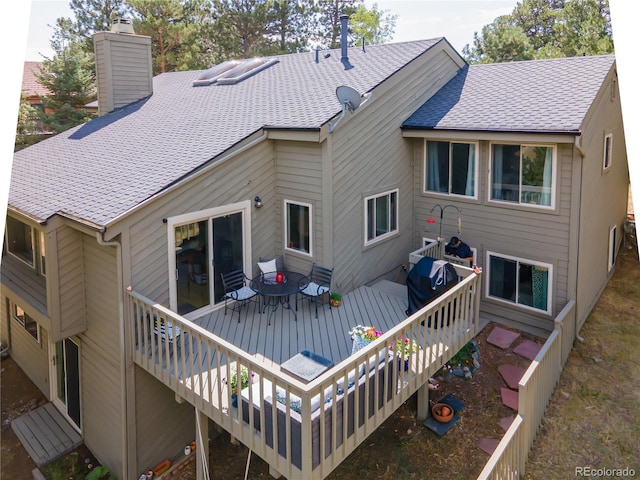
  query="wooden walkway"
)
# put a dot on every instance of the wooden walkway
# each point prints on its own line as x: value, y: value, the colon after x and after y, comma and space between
x: 327, y: 335
x: 45, y: 434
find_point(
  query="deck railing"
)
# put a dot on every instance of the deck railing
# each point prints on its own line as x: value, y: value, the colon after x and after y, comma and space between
x: 534, y: 392
x: 338, y: 410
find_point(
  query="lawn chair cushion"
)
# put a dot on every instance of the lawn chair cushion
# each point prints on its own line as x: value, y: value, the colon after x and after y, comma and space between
x: 268, y: 266
x: 313, y: 289
x: 243, y: 293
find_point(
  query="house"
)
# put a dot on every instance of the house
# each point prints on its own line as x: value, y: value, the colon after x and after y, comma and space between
x: 32, y: 90
x: 216, y: 169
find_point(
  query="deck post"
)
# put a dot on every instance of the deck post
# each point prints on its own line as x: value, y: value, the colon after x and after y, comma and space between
x: 423, y: 402
x: 202, y: 445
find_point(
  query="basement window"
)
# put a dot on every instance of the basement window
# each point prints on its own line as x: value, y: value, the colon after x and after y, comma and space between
x: 233, y: 71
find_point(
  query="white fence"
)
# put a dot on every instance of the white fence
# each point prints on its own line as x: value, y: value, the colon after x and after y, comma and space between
x: 534, y: 392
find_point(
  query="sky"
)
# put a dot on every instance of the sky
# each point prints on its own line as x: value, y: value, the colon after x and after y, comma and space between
x: 27, y: 37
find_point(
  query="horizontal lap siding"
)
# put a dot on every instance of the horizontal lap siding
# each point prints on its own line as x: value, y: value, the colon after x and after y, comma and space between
x: 604, y: 197
x: 520, y: 232
x: 71, y: 288
x: 242, y: 178
x: 164, y: 426
x: 31, y: 356
x: 299, y: 178
x: 101, y: 393
x: 371, y: 156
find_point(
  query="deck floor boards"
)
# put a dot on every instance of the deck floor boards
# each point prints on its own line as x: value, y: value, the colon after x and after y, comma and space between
x: 326, y: 335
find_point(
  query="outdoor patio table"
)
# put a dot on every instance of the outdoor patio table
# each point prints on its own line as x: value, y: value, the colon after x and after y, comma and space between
x: 277, y: 293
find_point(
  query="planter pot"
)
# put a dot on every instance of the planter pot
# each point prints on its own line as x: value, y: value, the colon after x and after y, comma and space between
x: 442, y: 412
x: 335, y: 303
x: 234, y: 400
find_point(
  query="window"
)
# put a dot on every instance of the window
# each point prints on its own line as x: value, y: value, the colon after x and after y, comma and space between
x: 20, y: 240
x: 451, y: 168
x: 523, y: 174
x: 43, y: 256
x: 612, y: 246
x: 298, y: 226
x: 606, y: 156
x: 381, y: 216
x: 521, y: 282
x: 28, y: 323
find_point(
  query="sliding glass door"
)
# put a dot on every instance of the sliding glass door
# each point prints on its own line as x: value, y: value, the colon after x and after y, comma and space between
x: 205, y: 245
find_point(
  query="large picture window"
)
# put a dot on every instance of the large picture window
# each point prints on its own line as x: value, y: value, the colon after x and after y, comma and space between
x: 523, y: 174
x: 519, y: 281
x: 20, y: 240
x: 381, y: 216
x: 451, y: 168
x: 28, y: 323
x: 298, y: 226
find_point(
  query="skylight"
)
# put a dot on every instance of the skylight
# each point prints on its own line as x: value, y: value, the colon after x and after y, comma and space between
x: 233, y: 71
x: 209, y: 76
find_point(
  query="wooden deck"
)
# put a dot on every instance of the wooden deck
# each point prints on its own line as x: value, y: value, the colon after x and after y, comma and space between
x: 327, y: 335
x: 45, y: 434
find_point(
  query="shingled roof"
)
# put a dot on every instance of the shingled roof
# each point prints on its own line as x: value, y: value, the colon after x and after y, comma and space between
x: 98, y: 171
x: 30, y: 84
x: 539, y: 96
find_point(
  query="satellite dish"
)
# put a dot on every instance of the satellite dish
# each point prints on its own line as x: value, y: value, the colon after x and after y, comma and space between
x: 348, y: 97
x: 350, y: 100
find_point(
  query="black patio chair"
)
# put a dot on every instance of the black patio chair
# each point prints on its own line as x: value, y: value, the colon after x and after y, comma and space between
x: 236, y: 288
x: 318, y: 286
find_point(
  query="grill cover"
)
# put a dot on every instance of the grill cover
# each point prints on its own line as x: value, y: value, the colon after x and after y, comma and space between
x: 427, y: 280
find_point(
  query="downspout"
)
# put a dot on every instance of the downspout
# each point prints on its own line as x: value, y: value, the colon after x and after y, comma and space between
x: 577, y: 143
x: 123, y: 351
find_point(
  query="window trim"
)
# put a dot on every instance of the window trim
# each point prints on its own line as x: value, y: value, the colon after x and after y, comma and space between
x: 22, y: 321
x: 611, y: 251
x: 425, y: 166
x: 515, y: 304
x: 390, y: 233
x: 288, y: 202
x: 33, y: 243
x: 607, y: 151
x: 554, y: 175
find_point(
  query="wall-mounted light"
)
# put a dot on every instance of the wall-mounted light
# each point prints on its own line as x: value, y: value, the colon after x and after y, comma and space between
x: 257, y: 202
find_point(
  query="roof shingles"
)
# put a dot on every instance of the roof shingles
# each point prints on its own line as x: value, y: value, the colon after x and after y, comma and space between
x: 100, y: 170
x: 540, y: 96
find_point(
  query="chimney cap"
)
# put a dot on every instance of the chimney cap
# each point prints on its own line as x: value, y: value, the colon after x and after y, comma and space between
x: 122, y: 25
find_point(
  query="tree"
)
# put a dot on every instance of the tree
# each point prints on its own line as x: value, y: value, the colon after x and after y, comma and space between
x: 174, y: 27
x: 243, y: 26
x: 294, y: 23
x: 373, y: 26
x: 329, y: 16
x: 544, y: 29
x: 69, y: 78
x: 93, y: 16
x: 27, y: 127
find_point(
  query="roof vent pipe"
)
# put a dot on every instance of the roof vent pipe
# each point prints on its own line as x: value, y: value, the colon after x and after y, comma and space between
x: 344, y: 30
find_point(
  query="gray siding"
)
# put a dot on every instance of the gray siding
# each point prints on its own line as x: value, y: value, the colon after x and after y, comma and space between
x: 101, y: 394
x: 371, y: 156
x: 124, y: 69
x: 66, y: 282
x: 522, y: 232
x: 299, y: 178
x: 31, y: 356
x: 164, y: 426
x: 248, y: 175
x: 603, y: 196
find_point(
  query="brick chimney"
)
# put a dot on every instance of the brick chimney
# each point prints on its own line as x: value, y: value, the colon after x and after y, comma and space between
x: 123, y: 66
